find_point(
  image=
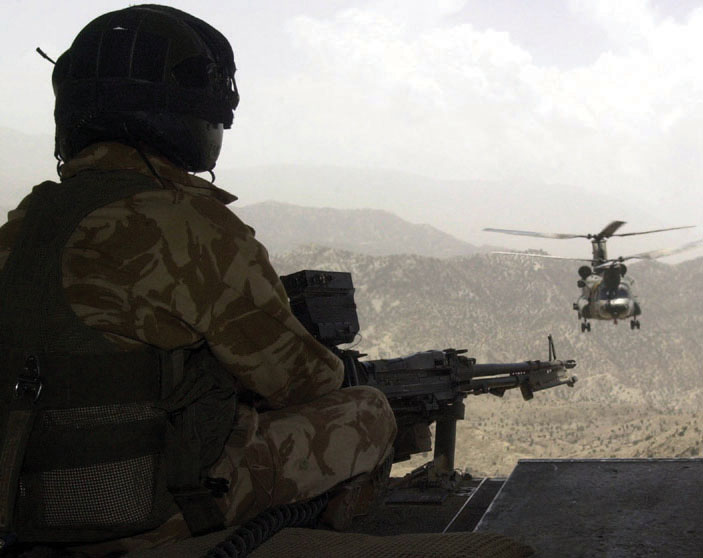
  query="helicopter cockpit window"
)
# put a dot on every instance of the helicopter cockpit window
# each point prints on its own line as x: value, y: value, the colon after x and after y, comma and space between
x: 623, y: 291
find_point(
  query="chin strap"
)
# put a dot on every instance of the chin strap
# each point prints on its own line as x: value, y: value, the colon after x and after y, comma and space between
x: 59, y: 165
x: 153, y: 171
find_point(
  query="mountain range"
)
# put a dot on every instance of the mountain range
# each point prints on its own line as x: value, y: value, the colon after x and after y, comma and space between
x: 461, y: 208
x: 283, y: 227
x: 639, y: 393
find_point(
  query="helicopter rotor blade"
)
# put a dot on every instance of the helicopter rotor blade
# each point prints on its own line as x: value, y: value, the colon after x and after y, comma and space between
x: 609, y: 263
x: 537, y: 234
x: 529, y: 255
x: 609, y: 230
x: 655, y: 231
x: 655, y: 254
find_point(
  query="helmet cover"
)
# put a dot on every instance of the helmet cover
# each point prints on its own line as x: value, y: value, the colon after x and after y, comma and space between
x: 147, y: 74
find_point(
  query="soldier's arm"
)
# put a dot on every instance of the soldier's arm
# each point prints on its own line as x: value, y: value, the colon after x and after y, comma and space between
x: 170, y: 268
x: 248, y: 322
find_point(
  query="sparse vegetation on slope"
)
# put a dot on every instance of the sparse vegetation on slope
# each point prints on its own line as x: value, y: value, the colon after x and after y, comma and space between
x: 638, y: 393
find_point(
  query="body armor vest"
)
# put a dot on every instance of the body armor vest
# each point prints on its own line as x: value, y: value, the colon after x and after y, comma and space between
x: 96, y: 442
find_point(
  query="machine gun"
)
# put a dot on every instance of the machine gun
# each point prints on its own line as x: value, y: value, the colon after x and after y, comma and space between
x: 422, y: 388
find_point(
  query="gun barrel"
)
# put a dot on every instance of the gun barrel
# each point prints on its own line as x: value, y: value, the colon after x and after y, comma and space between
x: 480, y: 370
x: 499, y: 384
x: 422, y: 387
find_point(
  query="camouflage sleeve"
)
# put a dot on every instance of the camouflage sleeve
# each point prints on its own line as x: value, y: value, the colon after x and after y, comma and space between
x: 170, y: 268
x: 245, y: 316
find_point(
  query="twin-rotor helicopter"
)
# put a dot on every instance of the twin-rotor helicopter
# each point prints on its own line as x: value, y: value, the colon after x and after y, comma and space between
x: 606, y: 292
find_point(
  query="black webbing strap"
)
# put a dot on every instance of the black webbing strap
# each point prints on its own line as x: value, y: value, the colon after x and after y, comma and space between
x: 200, y: 511
x: 19, y: 394
x: 17, y: 428
x: 184, y: 452
x: 197, y: 504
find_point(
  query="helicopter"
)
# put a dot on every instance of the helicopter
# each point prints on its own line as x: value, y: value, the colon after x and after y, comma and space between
x: 606, y: 292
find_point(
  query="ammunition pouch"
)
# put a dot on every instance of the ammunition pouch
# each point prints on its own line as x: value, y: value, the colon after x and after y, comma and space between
x: 98, y: 455
x: 92, y: 465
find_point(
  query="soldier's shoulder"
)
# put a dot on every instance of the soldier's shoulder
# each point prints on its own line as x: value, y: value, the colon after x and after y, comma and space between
x: 191, y: 208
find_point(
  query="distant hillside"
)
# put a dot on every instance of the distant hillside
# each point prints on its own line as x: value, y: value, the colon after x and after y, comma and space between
x: 461, y: 208
x: 283, y: 227
x: 639, y: 393
x: 503, y: 307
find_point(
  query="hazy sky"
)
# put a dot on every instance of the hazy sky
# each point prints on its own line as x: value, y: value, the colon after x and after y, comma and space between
x: 595, y: 94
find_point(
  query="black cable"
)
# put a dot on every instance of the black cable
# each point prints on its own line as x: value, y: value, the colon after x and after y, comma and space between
x: 258, y: 530
x: 150, y: 166
x: 45, y: 55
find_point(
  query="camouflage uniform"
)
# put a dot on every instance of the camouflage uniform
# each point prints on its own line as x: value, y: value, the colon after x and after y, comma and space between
x: 173, y: 267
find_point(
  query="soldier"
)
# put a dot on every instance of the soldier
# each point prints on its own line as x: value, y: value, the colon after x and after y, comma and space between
x: 154, y: 383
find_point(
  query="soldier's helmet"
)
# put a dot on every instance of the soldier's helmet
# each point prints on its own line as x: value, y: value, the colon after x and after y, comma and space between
x: 146, y: 75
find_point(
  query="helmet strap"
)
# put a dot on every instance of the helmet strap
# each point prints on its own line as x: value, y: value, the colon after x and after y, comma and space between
x: 147, y: 162
x: 59, y: 164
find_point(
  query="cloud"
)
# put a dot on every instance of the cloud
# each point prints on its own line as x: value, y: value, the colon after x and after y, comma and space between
x: 449, y: 7
x: 422, y: 87
x: 446, y: 99
x: 628, y: 22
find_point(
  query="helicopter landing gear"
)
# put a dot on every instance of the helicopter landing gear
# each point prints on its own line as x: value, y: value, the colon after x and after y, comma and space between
x: 585, y: 326
x: 634, y: 324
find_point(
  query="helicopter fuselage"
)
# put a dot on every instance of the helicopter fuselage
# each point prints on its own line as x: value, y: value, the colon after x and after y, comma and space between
x: 606, y: 294
x: 606, y: 300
